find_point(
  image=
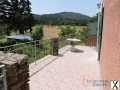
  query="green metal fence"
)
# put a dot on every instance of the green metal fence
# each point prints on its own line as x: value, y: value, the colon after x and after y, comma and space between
x: 34, y: 49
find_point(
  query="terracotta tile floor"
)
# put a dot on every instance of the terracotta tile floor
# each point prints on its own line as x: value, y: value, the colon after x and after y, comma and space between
x: 68, y: 71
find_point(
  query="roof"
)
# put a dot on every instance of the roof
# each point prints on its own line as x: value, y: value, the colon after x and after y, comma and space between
x: 20, y: 37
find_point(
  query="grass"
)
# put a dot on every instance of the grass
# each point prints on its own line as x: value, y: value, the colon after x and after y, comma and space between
x: 50, y: 31
x: 3, y: 39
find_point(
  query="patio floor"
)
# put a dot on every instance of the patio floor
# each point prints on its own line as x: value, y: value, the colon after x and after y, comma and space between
x: 68, y: 71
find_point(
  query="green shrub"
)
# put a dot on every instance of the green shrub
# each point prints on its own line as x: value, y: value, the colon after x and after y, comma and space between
x: 83, y: 35
x: 37, y: 34
x: 67, y: 31
x: 74, y: 32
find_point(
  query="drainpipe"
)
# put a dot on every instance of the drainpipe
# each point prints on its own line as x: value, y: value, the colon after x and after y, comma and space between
x: 98, y: 26
x: 98, y: 29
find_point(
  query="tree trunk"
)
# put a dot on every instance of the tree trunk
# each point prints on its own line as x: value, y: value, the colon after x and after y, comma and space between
x: 21, y: 31
x: 8, y: 32
x: 30, y: 29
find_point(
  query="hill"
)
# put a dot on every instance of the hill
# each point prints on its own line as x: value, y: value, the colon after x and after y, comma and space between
x: 63, y: 18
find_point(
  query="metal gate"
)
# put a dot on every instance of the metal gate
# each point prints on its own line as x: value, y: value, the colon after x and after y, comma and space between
x: 3, y: 82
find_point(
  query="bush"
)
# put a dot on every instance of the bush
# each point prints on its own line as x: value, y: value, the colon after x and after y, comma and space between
x: 74, y: 32
x: 67, y: 31
x: 37, y: 34
x: 83, y: 35
x: 6, y: 43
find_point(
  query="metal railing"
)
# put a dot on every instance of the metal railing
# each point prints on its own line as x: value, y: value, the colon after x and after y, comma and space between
x: 34, y: 49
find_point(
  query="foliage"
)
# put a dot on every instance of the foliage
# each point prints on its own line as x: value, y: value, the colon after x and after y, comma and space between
x: 83, y: 35
x: 34, y: 51
x: 37, y: 34
x: 3, y: 30
x: 63, y: 18
x: 67, y: 31
x: 94, y: 18
x: 16, y: 14
x: 73, y: 32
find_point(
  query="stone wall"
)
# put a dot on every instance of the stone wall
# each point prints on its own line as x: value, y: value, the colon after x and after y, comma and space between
x: 17, y: 70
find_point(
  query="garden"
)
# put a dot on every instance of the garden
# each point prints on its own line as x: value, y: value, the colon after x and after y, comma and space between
x: 21, y: 33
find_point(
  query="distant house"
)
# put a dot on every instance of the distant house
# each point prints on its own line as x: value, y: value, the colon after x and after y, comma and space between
x: 19, y: 37
x: 92, y: 34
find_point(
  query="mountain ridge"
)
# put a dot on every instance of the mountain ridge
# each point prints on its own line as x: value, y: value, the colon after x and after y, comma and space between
x: 62, y: 18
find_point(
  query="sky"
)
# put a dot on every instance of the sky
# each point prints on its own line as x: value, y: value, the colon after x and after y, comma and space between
x: 87, y: 7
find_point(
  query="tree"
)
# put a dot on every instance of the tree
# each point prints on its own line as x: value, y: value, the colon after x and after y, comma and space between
x: 83, y: 35
x: 94, y: 18
x: 67, y: 32
x: 16, y: 14
x: 37, y: 34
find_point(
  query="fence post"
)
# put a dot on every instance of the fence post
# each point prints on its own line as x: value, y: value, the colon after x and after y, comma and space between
x: 55, y: 46
x: 3, y: 76
x: 15, y: 73
x: 35, y: 51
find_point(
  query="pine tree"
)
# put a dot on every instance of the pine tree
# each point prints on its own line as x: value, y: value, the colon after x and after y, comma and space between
x: 16, y: 14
